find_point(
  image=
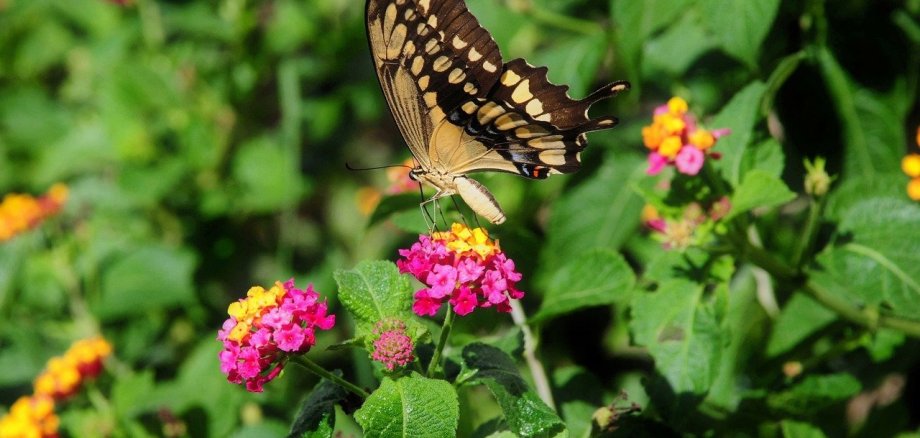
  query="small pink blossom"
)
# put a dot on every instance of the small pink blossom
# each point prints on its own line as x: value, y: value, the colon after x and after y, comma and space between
x: 656, y: 163
x: 689, y: 160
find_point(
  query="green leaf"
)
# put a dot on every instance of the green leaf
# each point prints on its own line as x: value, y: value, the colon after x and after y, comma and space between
x: 880, y: 261
x: 676, y: 49
x: 801, y: 317
x: 374, y: 291
x: 391, y: 205
x: 410, y: 406
x: 613, y: 216
x: 739, y: 25
x: 872, y: 129
x: 597, y: 278
x: 574, y: 61
x: 740, y: 115
x: 148, y: 278
x: 797, y: 429
x: 815, y: 393
x: 681, y: 333
x: 855, y: 190
x: 317, y: 415
x: 266, y: 177
x: 526, y: 414
x: 759, y: 189
x: 130, y: 391
x: 767, y: 156
x: 636, y: 22
x: 578, y: 394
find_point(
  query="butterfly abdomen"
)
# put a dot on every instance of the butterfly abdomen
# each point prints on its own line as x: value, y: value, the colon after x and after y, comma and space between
x: 478, y: 197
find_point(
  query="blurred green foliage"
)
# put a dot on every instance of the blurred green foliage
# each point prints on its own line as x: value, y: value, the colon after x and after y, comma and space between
x: 204, y: 144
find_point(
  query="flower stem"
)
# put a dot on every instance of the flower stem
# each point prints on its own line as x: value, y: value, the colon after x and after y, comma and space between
x: 811, y: 226
x: 323, y: 373
x: 442, y: 341
x: 540, y: 381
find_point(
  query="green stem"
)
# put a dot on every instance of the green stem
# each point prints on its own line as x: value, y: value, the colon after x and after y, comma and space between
x: 811, y: 226
x: 864, y: 317
x: 762, y: 258
x: 323, y: 373
x: 442, y: 341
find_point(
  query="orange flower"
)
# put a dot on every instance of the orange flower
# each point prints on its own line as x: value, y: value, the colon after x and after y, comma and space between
x: 20, y: 213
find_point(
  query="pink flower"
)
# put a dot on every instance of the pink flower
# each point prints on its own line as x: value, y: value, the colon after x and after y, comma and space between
x: 393, y: 347
x: 689, y: 160
x: 267, y: 326
x: 462, y: 267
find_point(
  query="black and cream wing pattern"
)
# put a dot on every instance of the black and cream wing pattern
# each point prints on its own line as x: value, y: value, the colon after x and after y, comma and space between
x: 461, y: 109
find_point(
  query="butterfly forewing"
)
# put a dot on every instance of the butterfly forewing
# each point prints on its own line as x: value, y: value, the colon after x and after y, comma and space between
x: 460, y: 108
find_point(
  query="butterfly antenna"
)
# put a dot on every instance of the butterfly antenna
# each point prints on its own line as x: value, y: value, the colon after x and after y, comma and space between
x: 357, y: 169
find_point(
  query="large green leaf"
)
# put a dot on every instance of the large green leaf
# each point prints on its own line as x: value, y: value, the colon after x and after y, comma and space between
x: 878, y: 262
x: 739, y: 25
x: 596, y: 278
x: 814, y: 393
x: 740, y: 115
x: 759, y: 189
x: 801, y: 317
x: 266, y: 179
x: 526, y: 414
x: 872, y: 133
x: 603, y: 212
x: 410, y: 406
x: 149, y: 278
x: 677, y: 48
x: 374, y: 291
x: 681, y: 333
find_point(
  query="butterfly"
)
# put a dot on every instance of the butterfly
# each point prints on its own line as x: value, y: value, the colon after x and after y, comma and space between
x: 461, y: 109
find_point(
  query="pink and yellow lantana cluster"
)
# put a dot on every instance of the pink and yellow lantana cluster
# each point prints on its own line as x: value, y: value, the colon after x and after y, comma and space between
x: 20, y: 212
x: 33, y: 416
x: 267, y: 326
x: 674, y: 138
x: 911, y: 166
x: 462, y: 267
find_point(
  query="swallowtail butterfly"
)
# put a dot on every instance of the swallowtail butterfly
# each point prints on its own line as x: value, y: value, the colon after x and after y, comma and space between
x: 461, y: 109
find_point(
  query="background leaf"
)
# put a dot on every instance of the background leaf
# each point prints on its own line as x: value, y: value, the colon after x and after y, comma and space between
x: 596, y: 278
x: 574, y: 230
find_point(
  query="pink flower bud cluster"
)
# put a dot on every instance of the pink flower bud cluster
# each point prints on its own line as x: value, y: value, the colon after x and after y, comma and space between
x: 393, y: 347
x: 267, y: 326
x: 462, y: 267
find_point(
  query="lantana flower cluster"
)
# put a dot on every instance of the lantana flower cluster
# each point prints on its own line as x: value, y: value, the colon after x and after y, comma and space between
x: 693, y: 226
x: 462, y: 267
x: 265, y: 328
x: 392, y: 347
x: 33, y: 415
x: 911, y: 167
x: 21, y: 212
x: 674, y: 138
